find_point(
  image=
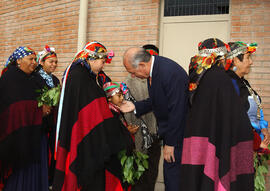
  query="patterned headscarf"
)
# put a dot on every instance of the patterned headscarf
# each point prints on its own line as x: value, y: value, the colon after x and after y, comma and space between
x: 239, y: 47
x: 92, y: 51
x: 210, y: 51
x: 111, y: 88
x: 212, y: 45
x: 47, y: 52
x: 20, y: 52
x: 152, y: 49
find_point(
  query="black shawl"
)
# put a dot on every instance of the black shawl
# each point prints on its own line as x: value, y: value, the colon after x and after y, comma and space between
x: 243, y: 90
x: 218, y: 141
x: 20, y: 121
x: 49, y: 124
x: 89, y: 135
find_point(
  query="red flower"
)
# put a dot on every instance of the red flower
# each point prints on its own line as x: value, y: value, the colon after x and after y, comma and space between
x: 256, y: 141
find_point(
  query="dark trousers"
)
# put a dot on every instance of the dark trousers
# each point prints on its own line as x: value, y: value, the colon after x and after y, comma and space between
x: 171, y: 171
x: 148, y: 179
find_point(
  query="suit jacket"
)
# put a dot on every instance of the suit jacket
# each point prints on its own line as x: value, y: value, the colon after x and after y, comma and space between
x: 168, y: 95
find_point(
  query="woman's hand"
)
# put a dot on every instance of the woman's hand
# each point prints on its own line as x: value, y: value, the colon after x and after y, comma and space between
x: 266, y: 140
x: 132, y: 128
x: 46, y: 110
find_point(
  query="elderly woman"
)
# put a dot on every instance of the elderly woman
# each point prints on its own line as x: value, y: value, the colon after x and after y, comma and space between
x: 89, y: 137
x: 240, y: 57
x: 217, y: 149
x: 23, y: 149
x: 47, y: 63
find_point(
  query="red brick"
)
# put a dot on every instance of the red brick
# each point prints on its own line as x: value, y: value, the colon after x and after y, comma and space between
x: 262, y: 34
x: 241, y: 23
x: 236, y: 18
x: 253, y: 5
x: 243, y: 11
x: 247, y: 34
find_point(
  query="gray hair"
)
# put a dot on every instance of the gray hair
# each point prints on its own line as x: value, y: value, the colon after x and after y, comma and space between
x: 140, y: 56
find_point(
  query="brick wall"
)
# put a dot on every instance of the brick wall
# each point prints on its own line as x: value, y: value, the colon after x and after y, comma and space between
x: 37, y: 23
x: 250, y: 22
x: 120, y: 24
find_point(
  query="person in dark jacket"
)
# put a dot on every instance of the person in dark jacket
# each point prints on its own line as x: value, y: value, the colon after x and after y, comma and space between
x: 147, y: 127
x: 168, y: 95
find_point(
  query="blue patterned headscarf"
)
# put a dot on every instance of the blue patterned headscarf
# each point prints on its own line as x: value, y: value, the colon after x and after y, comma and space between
x: 20, y: 52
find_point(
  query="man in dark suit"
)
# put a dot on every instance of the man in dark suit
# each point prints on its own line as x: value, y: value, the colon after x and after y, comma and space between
x: 168, y: 92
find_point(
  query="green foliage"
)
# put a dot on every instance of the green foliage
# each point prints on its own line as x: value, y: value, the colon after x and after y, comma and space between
x: 261, y: 169
x: 48, y: 96
x: 133, y: 165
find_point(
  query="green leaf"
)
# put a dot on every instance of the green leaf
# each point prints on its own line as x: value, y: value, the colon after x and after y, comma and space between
x: 145, y: 156
x: 121, y: 154
x: 130, y: 177
x: 141, y: 168
x: 261, y: 169
x: 48, y: 96
x: 145, y: 164
x: 133, y: 166
x: 138, y: 174
x: 123, y: 159
x: 125, y: 172
x: 139, y: 154
x: 129, y: 162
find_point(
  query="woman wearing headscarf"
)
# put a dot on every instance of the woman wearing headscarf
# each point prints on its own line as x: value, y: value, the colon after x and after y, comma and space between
x: 47, y: 60
x: 90, y: 138
x: 47, y: 63
x: 23, y: 148
x: 240, y: 56
x: 217, y: 149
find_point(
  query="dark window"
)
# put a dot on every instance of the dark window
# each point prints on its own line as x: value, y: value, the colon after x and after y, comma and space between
x: 195, y: 7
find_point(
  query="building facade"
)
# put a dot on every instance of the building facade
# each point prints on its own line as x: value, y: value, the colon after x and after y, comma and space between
x: 120, y: 24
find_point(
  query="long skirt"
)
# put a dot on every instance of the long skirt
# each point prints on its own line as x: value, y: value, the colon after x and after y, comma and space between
x: 33, y: 177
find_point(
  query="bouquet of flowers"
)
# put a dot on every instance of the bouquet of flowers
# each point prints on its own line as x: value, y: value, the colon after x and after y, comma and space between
x: 133, y: 165
x: 48, y: 96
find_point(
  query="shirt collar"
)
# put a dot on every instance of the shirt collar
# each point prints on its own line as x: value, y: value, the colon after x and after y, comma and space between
x: 152, y: 64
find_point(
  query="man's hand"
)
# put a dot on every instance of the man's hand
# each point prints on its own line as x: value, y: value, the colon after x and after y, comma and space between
x: 127, y: 106
x: 168, y: 153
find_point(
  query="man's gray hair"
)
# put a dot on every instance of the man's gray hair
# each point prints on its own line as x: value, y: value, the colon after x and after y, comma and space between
x: 140, y: 56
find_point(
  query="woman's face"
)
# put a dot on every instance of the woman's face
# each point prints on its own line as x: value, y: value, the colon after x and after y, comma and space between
x: 28, y: 63
x: 117, y: 99
x: 49, y: 65
x: 96, y: 65
x: 243, y: 67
